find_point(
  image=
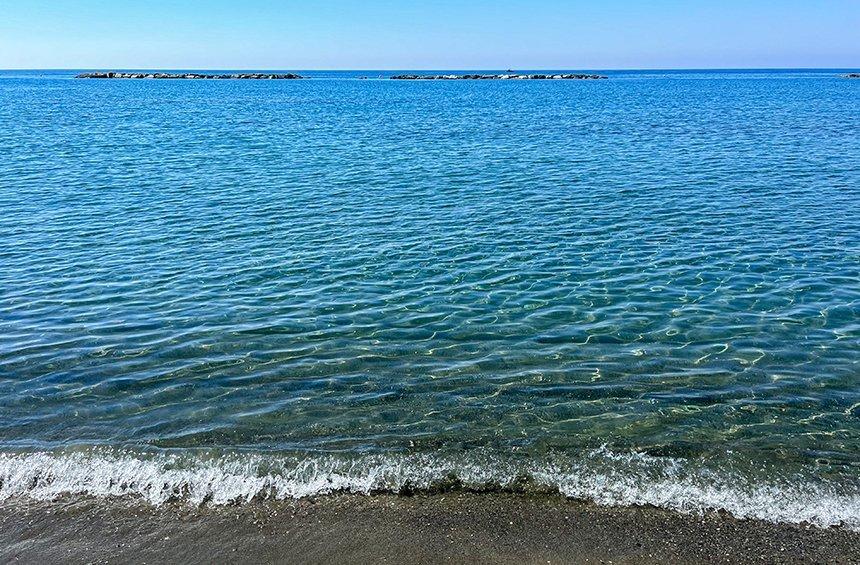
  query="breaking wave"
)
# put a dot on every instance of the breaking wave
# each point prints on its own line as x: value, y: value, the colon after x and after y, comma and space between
x: 601, y: 476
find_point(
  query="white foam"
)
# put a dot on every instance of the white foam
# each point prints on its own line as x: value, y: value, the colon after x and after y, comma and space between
x: 600, y: 476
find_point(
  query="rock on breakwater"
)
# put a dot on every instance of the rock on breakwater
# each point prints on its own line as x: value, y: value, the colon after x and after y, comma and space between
x: 501, y: 77
x: 245, y: 76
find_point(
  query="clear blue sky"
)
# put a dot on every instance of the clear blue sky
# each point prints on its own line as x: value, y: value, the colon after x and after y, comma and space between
x: 428, y: 34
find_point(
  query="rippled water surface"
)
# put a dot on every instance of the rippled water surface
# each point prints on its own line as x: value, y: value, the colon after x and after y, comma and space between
x: 665, y: 264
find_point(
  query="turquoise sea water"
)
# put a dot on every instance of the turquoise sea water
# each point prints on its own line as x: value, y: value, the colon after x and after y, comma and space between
x: 638, y: 290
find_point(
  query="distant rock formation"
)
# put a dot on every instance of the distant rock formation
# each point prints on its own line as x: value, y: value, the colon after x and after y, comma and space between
x: 244, y: 76
x: 852, y: 75
x: 500, y: 77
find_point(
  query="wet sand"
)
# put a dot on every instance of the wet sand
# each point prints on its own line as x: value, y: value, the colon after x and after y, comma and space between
x: 450, y: 528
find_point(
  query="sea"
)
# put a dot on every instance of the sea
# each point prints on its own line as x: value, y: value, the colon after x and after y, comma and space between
x: 643, y: 290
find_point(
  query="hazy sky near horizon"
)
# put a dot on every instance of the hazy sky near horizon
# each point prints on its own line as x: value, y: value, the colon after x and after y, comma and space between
x: 429, y: 34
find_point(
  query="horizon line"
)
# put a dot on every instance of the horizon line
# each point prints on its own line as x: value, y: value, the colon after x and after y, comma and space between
x: 331, y: 69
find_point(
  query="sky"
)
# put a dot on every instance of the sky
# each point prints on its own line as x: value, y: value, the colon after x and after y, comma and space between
x: 428, y: 34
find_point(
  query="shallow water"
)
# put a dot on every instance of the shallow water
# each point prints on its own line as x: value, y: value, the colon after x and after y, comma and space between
x: 500, y: 274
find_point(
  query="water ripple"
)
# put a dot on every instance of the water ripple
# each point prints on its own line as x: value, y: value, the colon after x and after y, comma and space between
x: 666, y: 264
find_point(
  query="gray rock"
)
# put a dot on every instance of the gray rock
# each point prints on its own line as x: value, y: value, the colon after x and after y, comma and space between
x: 191, y: 76
x: 510, y: 76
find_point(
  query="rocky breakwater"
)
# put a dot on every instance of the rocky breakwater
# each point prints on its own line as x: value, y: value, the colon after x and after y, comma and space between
x: 241, y: 76
x: 501, y: 77
x: 852, y: 75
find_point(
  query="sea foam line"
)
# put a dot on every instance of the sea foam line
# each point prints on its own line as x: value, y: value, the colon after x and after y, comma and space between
x: 600, y: 476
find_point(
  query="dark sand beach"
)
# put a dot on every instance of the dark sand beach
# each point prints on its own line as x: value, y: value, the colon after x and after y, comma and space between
x: 449, y: 528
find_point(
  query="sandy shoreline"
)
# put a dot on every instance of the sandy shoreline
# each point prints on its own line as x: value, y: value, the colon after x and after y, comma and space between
x: 455, y: 528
